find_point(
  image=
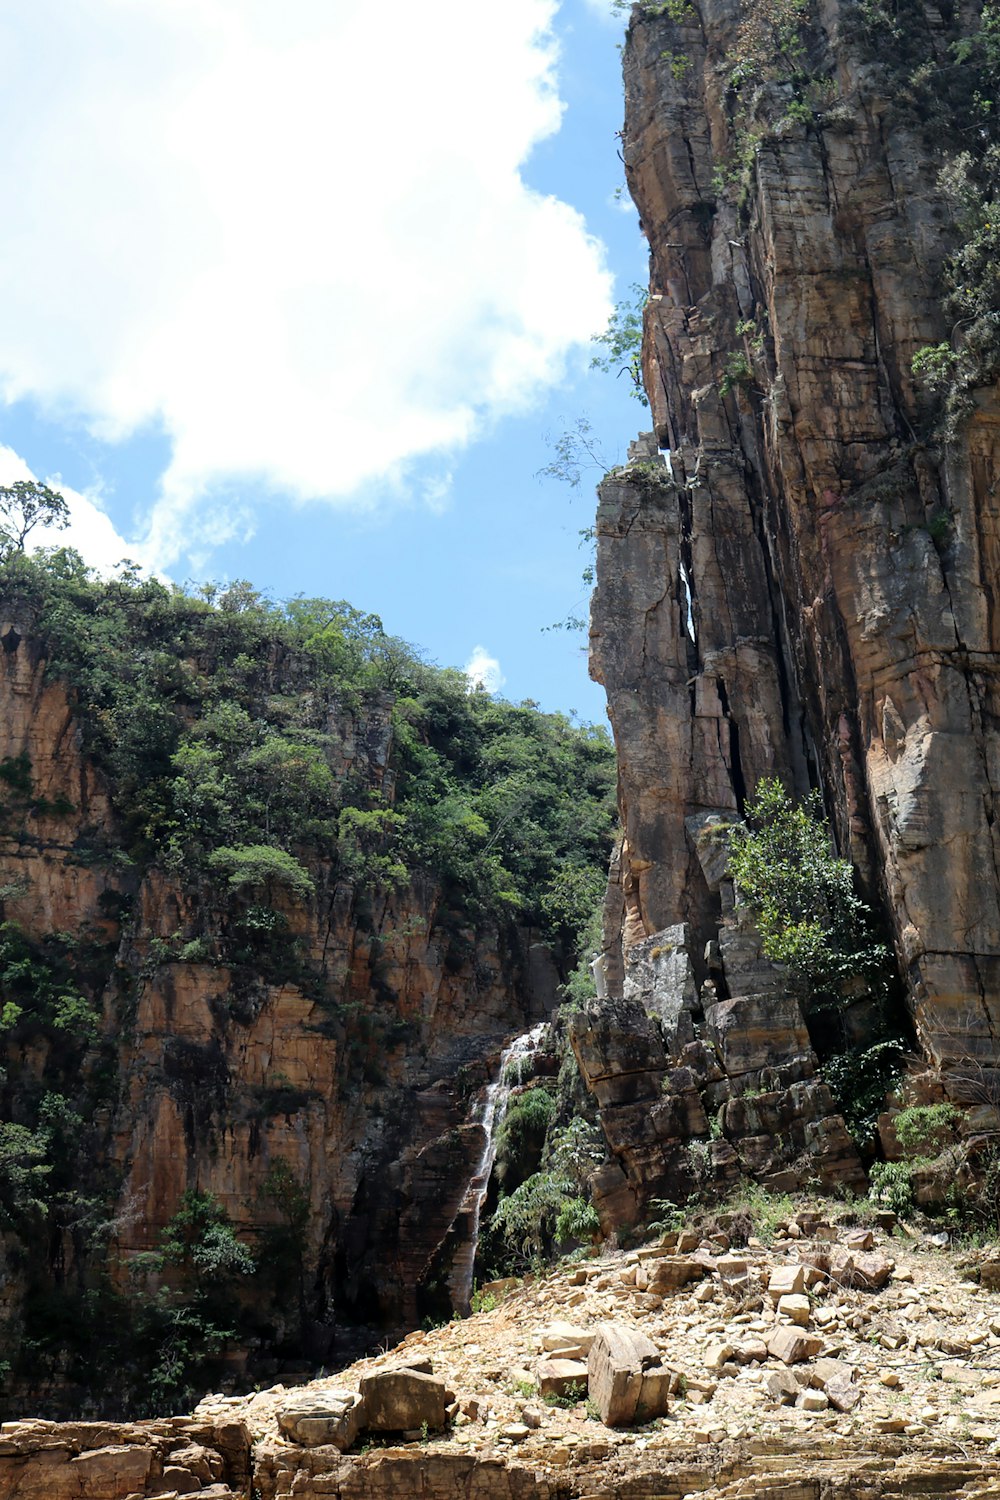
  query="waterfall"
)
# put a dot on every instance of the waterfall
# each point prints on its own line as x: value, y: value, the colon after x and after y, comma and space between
x: 491, y: 1113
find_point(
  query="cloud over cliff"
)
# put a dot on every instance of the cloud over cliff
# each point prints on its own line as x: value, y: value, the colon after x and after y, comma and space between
x: 298, y: 238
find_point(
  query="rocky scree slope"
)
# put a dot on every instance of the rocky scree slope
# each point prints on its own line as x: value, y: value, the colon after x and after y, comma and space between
x: 806, y: 588
x: 879, y: 1378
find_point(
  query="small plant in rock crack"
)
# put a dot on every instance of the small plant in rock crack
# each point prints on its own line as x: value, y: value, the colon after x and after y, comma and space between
x: 572, y: 1396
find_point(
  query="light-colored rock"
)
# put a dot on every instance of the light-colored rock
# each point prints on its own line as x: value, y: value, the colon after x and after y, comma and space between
x: 786, y: 1281
x: 782, y: 1387
x: 561, y: 1377
x: 335, y: 1417
x: 797, y: 1309
x: 403, y: 1400
x: 792, y: 1346
x: 619, y: 1357
x: 717, y: 1355
x: 566, y: 1340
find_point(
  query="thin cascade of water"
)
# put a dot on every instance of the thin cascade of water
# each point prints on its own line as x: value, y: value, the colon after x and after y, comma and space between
x: 492, y: 1111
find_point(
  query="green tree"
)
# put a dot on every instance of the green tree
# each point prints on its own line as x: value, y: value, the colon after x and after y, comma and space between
x: 802, y: 895
x: 621, y: 342
x: 25, y: 505
x: 259, y: 867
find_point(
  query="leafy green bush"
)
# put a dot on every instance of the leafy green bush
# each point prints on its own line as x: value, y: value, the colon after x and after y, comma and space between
x: 923, y: 1126
x: 527, y: 1221
x: 891, y: 1185
x: 622, y: 341
x: 259, y: 867
x: 577, y: 1219
x: 524, y: 1127
x: 802, y: 896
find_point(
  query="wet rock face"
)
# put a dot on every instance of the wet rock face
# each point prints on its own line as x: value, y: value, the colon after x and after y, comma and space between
x: 807, y: 589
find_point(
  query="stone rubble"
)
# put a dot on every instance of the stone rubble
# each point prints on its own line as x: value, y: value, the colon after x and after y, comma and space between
x: 891, y: 1392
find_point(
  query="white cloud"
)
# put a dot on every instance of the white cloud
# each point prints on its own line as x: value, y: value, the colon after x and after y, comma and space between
x: 483, y: 670
x: 297, y: 236
x: 90, y: 529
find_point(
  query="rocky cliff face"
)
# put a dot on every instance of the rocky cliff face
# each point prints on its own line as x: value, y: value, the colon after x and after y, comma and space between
x: 806, y: 586
x: 340, y: 1107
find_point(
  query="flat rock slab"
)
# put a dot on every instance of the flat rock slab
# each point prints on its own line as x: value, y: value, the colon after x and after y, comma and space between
x: 403, y: 1401
x: 672, y: 1271
x: 627, y: 1380
x: 566, y: 1340
x: 561, y: 1377
x: 786, y: 1281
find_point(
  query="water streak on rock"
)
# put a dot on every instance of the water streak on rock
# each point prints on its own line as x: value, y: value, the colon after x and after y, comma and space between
x: 493, y: 1107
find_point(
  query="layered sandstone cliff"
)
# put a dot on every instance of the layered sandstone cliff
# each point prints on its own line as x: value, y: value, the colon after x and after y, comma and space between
x: 343, y: 1106
x: 805, y: 585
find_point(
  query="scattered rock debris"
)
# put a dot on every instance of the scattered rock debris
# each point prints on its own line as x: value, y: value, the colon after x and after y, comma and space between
x: 834, y: 1364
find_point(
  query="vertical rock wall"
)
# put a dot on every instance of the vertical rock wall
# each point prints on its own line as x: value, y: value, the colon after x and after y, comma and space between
x: 806, y: 587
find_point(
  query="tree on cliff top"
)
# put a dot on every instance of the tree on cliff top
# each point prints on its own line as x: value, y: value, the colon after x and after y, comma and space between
x: 25, y: 505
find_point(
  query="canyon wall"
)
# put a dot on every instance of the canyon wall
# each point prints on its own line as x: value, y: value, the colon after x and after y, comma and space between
x: 324, y: 1089
x: 804, y: 586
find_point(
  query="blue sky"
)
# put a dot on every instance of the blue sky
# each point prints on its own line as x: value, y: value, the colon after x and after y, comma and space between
x: 304, y: 303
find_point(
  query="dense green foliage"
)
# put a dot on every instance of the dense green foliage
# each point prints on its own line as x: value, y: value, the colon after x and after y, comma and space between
x: 211, y: 715
x: 801, y: 895
x: 547, y: 1147
x: 156, y: 1341
x: 552, y: 1205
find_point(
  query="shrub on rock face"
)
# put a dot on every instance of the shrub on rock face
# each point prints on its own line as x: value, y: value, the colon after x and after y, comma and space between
x: 801, y: 895
x: 803, y: 902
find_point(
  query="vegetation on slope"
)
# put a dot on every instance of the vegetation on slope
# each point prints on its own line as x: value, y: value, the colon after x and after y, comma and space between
x: 211, y: 715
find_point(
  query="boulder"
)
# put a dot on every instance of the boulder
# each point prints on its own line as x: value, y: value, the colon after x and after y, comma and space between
x: 565, y: 1340
x: 786, y: 1281
x: 627, y: 1380
x: 782, y: 1387
x: 872, y: 1270
x: 796, y: 1309
x: 204, y: 1463
x: 734, y: 1274
x: 672, y: 1271
x: 868, y: 1271
x: 560, y: 1377
x: 989, y: 1275
x: 792, y: 1346
x: 334, y: 1418
x: 843, y: 1395
x: 717, y: 1355
x: 180, y: 1481
x: 403, y: 1400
